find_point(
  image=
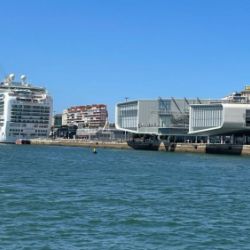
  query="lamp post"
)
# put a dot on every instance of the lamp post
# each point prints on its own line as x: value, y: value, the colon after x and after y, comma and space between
x: 52, y: 125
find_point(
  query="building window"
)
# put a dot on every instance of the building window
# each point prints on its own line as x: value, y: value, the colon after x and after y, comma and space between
x: 248, y: 117
x: 205, y: 116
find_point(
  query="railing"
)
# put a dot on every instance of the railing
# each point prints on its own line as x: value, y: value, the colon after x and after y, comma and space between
x: 234, y: 101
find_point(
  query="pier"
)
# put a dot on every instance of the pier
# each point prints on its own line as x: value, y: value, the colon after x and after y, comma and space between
x: 210, y: 148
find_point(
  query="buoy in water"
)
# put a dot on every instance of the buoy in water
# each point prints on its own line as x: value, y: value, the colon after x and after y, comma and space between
x: 94, y: 151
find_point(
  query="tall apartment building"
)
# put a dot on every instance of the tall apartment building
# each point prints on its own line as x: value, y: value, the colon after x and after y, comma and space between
x: 90, y: 116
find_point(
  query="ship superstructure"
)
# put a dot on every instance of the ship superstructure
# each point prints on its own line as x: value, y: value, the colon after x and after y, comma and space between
x: 25, y: 110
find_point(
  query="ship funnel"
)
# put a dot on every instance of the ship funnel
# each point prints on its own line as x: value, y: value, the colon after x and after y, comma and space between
x: 23, y: 79
x: 11, y: 77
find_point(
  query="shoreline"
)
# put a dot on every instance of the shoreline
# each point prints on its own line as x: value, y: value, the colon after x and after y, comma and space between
x: 229, y: 149
x: 80, y: 143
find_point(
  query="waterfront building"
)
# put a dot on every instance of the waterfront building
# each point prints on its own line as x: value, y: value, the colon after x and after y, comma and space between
x: 65, y: 131
x: 155, y: 117
x: 89, y: 116
x: 25, y: 110
x: 231, y: 115
x: 56, y: 124
x: 57, y: 121
x: 107, y: 133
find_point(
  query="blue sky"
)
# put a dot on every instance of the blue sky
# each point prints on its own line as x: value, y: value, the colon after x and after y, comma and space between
x: 89, y: 51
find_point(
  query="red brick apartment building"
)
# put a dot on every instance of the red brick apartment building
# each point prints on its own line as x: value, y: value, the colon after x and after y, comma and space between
x: 89, y: 116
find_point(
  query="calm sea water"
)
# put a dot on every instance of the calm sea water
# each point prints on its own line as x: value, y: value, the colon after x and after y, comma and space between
x: 69, y: 198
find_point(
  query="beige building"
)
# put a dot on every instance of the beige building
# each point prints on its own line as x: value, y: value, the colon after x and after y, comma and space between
x: 90, y: 116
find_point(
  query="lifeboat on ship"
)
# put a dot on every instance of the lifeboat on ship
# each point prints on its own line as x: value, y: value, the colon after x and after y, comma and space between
x: 22, y: 141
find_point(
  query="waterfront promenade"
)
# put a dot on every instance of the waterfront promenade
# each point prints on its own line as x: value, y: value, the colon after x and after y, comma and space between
x: 81, y: 143
x: 170, y: 147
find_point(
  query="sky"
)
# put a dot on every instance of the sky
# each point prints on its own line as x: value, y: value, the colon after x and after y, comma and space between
x: 96, y: 51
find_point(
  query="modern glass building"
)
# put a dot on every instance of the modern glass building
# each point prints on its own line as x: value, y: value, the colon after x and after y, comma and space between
x: 220, y: 119
x: 155, y: 117
x: 229, y: 116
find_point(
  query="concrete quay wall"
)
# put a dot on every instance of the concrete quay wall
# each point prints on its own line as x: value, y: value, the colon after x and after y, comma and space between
x: 230, y: 149
x: 80, y: 143
x: 183, y: 147
x: 170, y: 147
x: 246, y: 150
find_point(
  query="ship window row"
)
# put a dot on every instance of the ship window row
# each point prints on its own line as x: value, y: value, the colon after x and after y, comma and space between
x: 15, y: 134
x: 36, y: 116
x: 30, y: 121
x: 40, y: 130
x: 39, y: 134
x: 24, y: 99
x: 24, y: 134
x: 25, y: 125
x: 41, y: 126
x: 30, y: 110
x: 17, y: 125
x: 46, y: 118
x: 35, y: 107
x: 29, y: 113
x: 16, y: 130
x: 30, y: 107
x: 30, y: 116
x: 18, y: 114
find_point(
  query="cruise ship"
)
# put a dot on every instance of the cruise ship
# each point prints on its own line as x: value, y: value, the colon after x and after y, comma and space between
x: 25, y: 110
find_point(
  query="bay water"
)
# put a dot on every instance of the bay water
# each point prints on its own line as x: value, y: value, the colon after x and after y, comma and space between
x: 70, y: 198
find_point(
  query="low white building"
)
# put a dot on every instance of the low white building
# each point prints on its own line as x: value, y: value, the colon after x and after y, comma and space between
x: 229, y: 116
x: 155, y: 117
x: 219, y: 118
